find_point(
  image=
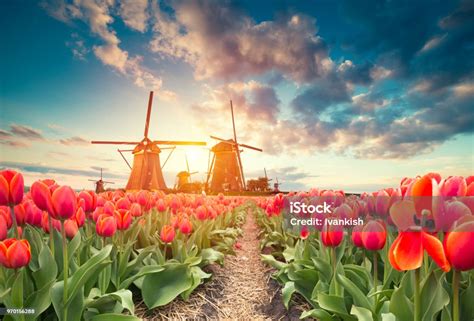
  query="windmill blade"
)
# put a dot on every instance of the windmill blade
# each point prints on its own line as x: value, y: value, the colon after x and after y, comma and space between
x: 192, y: 173
x: 179, y: 142
x: 233, y: 121
x: 92, y: 180
x: 125, y: 159
x: 187, y: 164
x: 251, y: 147
x: 108, y: 182
x: 223, y: 140
x: 148, y: 114
x: 167, y: 158
x: 111, y: 142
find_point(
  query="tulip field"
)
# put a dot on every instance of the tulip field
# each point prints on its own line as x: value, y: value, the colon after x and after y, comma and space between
x: 78, y: 255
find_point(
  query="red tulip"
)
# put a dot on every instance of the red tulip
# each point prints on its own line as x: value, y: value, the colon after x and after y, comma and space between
x: 64, y: 203
x: 90, y: 200
x: 41, y: 195
x: 332, y: 235
x: 382, y: 203
x: 373, y: 236
x: 458, y: 245
x: 15, y: 253
x: 160, y: 205
x: 71, y: 228
x: 201, y: 213
x: 80, y: 217
x: 3, y: 228
x: 185, y: 226
x: 106, y: 225
x: 124, y: 219
x: 123, y: 204
x: 20, y: 214
x: 45, y: 223
x: 109, y: 208
x: 304, y: 233
x: 406, y: 252
x: 454, y: 186
x: 5, y: 212
x: 167, y: 234
x: 143, y: 198
x: 11, y: 188
x: 356, y: 235
x: 136, y: 210
x: 33, y: 214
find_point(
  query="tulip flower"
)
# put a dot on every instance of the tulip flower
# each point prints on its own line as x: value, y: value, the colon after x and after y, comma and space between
x: 123, y: 204
x: 14, y: 253
x: 123, y: 218
x: 41, y: 196
x: 458, y: 246
x: 373, y: 236
x: 90, y: 200
x: 332, y: 235
x: 3, y: 228
x: 106, y: 225
x: 11, y: 192
x: 304, y: 233
x: 185, y: 226
x: 11, y: 188
x: 71, y: 228
x: 201, y: 213
x: 33, y: 214
x: 356, y: 235
x: 64, y: 203
x: 160, y: 205
x: 80, y: 217
x: 136, y: 210
x: 167, y: 234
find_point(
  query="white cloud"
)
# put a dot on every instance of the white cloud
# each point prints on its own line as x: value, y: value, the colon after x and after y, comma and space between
x: 134, y: 14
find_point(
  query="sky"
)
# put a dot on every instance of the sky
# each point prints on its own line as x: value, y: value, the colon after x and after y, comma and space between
x: 351, y: 95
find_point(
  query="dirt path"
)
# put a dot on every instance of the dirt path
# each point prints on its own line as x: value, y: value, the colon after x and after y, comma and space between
x: 240, y: 290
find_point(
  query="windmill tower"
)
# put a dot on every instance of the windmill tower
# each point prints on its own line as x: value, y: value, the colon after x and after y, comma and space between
x: 146, y: 170
x: 226, y: 171
x: 100, y: 183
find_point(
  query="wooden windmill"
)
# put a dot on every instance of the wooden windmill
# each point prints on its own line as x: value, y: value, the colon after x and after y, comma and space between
x: 100, y: 183
x: 226, y: 171
x: 183, y: 178
x: 146, y: 172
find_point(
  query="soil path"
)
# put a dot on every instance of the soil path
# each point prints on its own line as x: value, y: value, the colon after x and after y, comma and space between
x: 240, y: 290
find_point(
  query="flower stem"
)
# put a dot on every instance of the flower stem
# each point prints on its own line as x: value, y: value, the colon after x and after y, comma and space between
x: 456, y: 277
x: 65, y: 269
x: 334, y: 268
x: 376, y: 278
x: 417, y: 314
x: 51, y: 236
x: 15, y: 227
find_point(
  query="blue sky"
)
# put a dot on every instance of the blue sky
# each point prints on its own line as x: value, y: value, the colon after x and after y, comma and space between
x: 339, y: 94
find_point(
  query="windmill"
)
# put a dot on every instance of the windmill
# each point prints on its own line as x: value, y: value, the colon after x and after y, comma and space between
x: 146, y: 171
x: 100, y: 183
x: 226, y: 171
x: 276, y: 186
x: 183, y: 178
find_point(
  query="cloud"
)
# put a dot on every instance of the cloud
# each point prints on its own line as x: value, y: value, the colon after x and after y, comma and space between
x: 5, y: 134
x: 26, y: 132
x: 98, y: 16
x: 220, y: 41
x: 78, y: 47
x: 75, y: 140
x: 51, y: 170
x: 134, y: 14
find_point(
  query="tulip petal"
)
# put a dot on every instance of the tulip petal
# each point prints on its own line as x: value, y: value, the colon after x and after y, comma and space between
x: 64, y: 202
x: 458, y: 245
x: 402, y: 213
x: 407, y: 251
x: 4, y: 191
x: 17, y: 187
x: 435, y: 249
x: 41, y: 195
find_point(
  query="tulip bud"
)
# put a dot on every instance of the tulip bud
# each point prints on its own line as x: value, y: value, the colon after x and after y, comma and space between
x: 106, y: 225
x: 33, y: 214
x: 201, y: 213
x: 64, y: 203
x: 185, y: 226
x: 332, y: 235
x: 3, y: 228
x: 123, y: 204
x: 15, y: 253
x: 5, y: 212
x: 167, y: 234
x: 80, y: 217
x: 90, y: 200
x: 304, y: 233
x: 124, y: 219
x: 458, y: 246
x: 71, y: 228
x: 135, y: 210
x: 374, y: 236
x: 160, y: 205
x: 11, y: 188
x: 356, y: 235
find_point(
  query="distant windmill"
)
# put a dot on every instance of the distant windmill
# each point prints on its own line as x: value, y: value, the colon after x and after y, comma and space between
x: 276, y: 186
x: 183, y: 178
x: 100, y: 183
x: 226, y: 172
x: 146, y: 171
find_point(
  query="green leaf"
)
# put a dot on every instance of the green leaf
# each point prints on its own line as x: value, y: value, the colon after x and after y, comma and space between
x: 317, y: 314
x: 270, y: 260
x: 287, y: 292
x: 124, y: 297
x: 210, y: 255
x: 89, y: 269
x: 161, y: 288
x: 361, y: 313
x: 115, y: 317
x: 332, y: 303
x: 433, y: 298
x: 400, y: 305
x: 360, y: 299
x: 75, y: 306
x: 197, y: 275
x: 142, y: 272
